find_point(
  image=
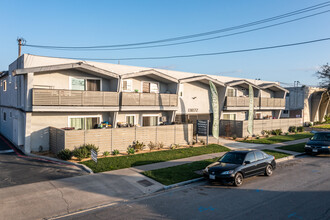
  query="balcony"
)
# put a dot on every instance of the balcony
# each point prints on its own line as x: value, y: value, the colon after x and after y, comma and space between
x: 56, y: 97
x: 149, y: 99
x: 242, y: 103
x: 237, y: 103
x: 268, y: 103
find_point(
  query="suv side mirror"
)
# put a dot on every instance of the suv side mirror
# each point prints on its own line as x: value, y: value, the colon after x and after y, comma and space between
x: 247, y: 162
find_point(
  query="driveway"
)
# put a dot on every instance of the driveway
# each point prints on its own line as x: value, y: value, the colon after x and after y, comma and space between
x: 17, y: 169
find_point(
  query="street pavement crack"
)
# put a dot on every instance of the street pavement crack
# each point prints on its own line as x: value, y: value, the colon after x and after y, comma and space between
x: 62, y: 195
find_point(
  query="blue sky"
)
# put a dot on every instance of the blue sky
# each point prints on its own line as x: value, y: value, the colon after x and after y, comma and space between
x: 88, y: 23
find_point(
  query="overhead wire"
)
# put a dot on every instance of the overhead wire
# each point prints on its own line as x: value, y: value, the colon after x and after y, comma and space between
x: 304, y: 10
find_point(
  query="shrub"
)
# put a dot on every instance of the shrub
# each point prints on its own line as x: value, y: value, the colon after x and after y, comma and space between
x: 106, y: 153
x: 81, y: 153
x: 277, y: 131
x: 267, y: 136
x: 160, y: 145
x: 234, y: 137
x: 130, y: 150
x: 138, y: 146
x: 257, y: 137
x: 300, y: 129
x: 115, y: 152
x: 65, y: 154
x: 327, y: 118
x: 202, y: 141
x: 174, y: 146
x: 293, y: 129
x: 152, y: 146
x: 286, y: 133
x: 90, y: 147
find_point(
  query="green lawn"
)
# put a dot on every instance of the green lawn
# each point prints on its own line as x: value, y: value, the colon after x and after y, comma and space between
x: 120, y: 162
x: 295, y: 147
x: 276, y: 154
x: 280, y: 138
x: 325, y: 126
x: 176, y: 174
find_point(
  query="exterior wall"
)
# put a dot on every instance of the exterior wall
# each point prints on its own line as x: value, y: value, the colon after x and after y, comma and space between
x: 61, y: 80
x: 40, y: 123
x: 120, y: 138
x: 239, y: 128
x: 13, y: 127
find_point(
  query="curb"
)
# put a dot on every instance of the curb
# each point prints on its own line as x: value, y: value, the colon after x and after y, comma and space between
x: 81, y: 166
x: 289, y: 157
x: 183, y: 183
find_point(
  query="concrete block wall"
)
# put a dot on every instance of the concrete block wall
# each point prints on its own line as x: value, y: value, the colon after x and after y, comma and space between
x: 120, y: 138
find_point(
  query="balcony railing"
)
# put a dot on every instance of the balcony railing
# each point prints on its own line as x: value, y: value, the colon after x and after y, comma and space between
x: 57, y: 97
x: 258, y: 102
x: 240, y: 102
x: 149, y: 99
x: 272, y: 102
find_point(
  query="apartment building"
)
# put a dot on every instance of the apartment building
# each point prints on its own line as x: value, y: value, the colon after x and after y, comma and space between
x: 38, y: 92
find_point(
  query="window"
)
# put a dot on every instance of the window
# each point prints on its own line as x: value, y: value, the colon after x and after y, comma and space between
x: 229, y: 116
x: 127, y: 86
x: 231, y: 93
x: 285, y: 111
x: 4, y: 85
x: 149, y: 87
x: 130, y: 119
x: 84, y: 123
x: 5, y: 116
x: 259, y: 155
x: 250, y: 157
x: 86, y: 84
x: 149, y: 120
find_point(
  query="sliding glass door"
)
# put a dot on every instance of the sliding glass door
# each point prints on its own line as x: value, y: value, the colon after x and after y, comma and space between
x: 84, y: 123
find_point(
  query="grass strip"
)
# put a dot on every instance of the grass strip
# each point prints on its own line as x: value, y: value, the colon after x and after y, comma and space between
x: 324, y: 126
x: 180, y: 173
x: 295, y: 147
x: 120, y: 162
x: 276, y: 154
x: 280, y: 138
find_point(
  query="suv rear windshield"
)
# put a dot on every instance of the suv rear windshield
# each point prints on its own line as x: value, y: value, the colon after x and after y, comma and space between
x: 321, y: 137
x: 233, y: 157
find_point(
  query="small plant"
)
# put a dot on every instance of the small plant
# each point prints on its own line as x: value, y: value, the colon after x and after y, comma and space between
x: 300, y: 129
x: 277, y: 132
x: 202, y: 141
x: 286, y: 133
x: 106, y: 153
x: 257, y: 137
x: 152, y: 146
x: 136, y: 90
x: 174, y: 146
x: 194, y: 142
x: 234, y: 137
x: 81, y: 153
x: 327, y: 118
x: 267, y: 136
x: 115, y: 152
x: 268, y: 132
x: 130, y: 150
x: 90, y: 147
x: 293, y: 129
x: 65, y: 154
x: 160, y: 145
x: 245, y: 138
x: 263, y: 132
x: 138, y: 146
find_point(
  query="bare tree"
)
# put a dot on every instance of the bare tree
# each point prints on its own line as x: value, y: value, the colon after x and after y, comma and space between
x: 324, y: 75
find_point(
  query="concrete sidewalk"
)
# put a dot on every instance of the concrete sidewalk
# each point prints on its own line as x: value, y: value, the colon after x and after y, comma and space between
x: 58, y: 197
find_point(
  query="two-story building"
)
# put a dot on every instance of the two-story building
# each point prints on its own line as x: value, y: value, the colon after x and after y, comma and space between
x: 38, y: 92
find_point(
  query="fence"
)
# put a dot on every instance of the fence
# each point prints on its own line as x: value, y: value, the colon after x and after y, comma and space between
x: 119, y: 138
x: 239, y: 128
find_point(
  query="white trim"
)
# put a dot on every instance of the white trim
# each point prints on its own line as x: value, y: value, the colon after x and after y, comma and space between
x: 122, y: 85
x: 150, y: 115
x: 155, y: 82
x: 84, y: 116
x: 83, y: 77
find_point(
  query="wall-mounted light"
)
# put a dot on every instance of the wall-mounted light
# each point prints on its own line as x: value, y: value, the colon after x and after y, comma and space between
x: 194, y: 97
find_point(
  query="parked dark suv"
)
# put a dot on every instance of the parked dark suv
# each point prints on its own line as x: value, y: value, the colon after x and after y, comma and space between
x: 319, y: 143
x: 234, y: 166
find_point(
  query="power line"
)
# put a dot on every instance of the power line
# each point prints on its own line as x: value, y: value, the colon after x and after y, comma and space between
x: 204, y: 54
x: 199, y: 40
x: 304, y: 10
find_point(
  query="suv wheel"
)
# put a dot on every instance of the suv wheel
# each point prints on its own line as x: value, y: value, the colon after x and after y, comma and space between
x: 238, y: 181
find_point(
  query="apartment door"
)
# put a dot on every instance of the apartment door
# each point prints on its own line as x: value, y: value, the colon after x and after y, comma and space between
x: 149, y: 120
x: 146, y: 87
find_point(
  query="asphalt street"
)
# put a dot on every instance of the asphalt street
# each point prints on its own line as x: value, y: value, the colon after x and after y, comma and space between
x: 299, y: 189
x: 17, y: 169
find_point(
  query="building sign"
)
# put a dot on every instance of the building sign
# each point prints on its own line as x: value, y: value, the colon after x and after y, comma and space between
x: 192, y: 109
x: 202, y: 127
x: 94, y: 155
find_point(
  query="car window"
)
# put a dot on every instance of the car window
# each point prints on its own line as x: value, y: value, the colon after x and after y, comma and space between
x: 233, y: 157
x: 259, y: 155
x: 250, y: 157
x: 321, y: 137
x: 265, y: 155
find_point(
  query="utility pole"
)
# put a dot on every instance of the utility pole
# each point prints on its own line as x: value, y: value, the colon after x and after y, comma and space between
x: 20, y: 42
